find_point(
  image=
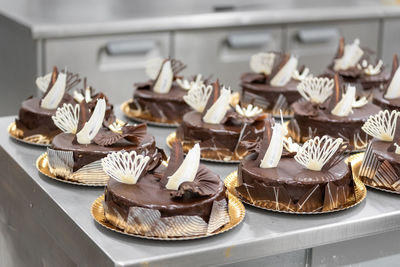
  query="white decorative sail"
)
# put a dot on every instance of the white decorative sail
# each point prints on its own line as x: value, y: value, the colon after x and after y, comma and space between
x: 125, y: 167
x: 42, y: 82
x: 92, y: 127
x: 316, y: 152
x: 164, y: 81
x: 198, y: 96
x: 285, y: 74
x: 187, y: 171
x: 382, y: 125
x: 66, y: 118
x: 274, y: 151
x: 249, y: 111
x: 153, y: 67
x: 262, y: 62
x: 393, y: 90
x: 344, y: 106
x: 316, y: 90
x: 56, y: 93
x: 217, y: 111
x: 351, y: 55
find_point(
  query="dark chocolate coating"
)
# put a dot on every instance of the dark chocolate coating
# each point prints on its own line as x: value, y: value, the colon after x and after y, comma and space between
x: 391, y: 104
x: 382, y: 152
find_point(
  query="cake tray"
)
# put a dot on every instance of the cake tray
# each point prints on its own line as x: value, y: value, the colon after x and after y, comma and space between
x: 36, y: 140
x: 236, y: 214
x: 42, y: 164
x: 171, y: 138
x: 137, y: 115
x: 360, y: 191
x: 359, y: 157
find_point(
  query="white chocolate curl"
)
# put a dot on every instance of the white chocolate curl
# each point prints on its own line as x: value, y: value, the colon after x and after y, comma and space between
x: 316, y: 90
x: 262, y: 63
x: 125, y: 167
x: 304, y: 75
x: 187, y: 171
x: 393, y: 90
x: 351, y: 55
x: 285, y: 74
x: 316, y: 152
x: 217, y: 111
x: 382, y: 125
x: 66, y: 118
x: 164, y: 81
x: 274, y: 151
x: 198, y: 96
x: 92, y: 127
x: 55, y: 94
x: 345, y: 106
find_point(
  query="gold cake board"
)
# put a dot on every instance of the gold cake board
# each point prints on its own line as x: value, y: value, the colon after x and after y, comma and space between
x: 36, y: 140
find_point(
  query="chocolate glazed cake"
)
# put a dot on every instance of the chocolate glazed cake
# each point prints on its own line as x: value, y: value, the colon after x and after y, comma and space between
x: 335, y: 115
x: 297, y: 182
x: 262, y: 88
x: 154, y: 204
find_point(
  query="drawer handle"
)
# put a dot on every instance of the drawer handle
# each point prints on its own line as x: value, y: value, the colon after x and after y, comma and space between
x: 317, y: 35
x: 124, y: 47
x: 248, y: 40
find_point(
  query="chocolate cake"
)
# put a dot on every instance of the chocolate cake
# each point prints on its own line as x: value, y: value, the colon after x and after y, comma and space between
x: 75, y: 154
x: 325, y: 111
x: 354, y: 65
x: 35, y: 123
x: 381, y: 164
x: 313, y: 179
x: 264, y: 87
x: 155, y: 201
x: 231, y: 136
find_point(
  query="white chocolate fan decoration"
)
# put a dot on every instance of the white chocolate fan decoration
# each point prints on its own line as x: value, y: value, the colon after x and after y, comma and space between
x: 164, y: 80
x: 285, y: 73
x: 42, y: 82
x: 316, y: 90
x: 351, y: 56
x: 344, y: 106
x: 304, y: 75
x: 393, y: 90
x: 249, y: 111
x: 153, y: 67
x: 186, y: 85
x: 187, y: 171
x: 197, y: 97
x: 66, y: 118
x: 262, y: 63
x: 316, y: 152
x: 382, y: 125
x: 125, y: 167
x: 92, y: 127
x: 217, y: 111
x: 56, y: 93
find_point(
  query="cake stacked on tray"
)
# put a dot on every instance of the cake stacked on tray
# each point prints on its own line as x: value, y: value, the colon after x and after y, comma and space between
x: 273, y: 83
x: 34, y: 123
x: 87, y: 137
x: 184, y: 199
x: 381, y: 164
x: 330, y: 108
x: 224, y: 133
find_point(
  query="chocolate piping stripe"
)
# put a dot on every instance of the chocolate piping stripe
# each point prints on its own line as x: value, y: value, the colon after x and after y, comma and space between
x: 386, y: 175
x: 370, y: 164
x: 309, y: 195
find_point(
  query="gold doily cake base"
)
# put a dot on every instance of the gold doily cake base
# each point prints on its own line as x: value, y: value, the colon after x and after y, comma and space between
x: 36, y: 140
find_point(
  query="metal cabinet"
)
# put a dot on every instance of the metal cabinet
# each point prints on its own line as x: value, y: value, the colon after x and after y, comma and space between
x: 390, y: 39
x: 224, y: 53
x: 316, y: 43
x: 111, y: 63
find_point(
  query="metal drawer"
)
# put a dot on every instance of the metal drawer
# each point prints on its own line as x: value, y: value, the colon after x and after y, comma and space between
x: 317, y: 44
x: 111, y: 63
x: 224, y: 53
x: 390, y: 39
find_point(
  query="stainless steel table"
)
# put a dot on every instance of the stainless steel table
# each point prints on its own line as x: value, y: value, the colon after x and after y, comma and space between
x: 32, y: 206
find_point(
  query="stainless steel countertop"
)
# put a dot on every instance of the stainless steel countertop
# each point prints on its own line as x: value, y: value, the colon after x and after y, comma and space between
x: 64, y: 210
x: 57, y: 18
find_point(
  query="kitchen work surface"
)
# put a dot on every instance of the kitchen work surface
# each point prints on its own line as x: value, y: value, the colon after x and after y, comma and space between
x: 63, y: 212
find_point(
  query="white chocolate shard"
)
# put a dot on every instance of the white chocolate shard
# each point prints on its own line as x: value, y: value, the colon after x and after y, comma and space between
x: 164, y: 81
x: 217, y: 111
x: 117, y: 126
x: 374, y: 70
x: 66, y: 118
x: 397, y: 151
x: 344, y: 106
x: 153, y: 67
x: 360, y: 103
x: 88, y: 95
x: 304, y: 75
x: 56, y: 93
x: 92, y: 127
x: 249, y: 111
x: 393, y: 90
x: 186, y: 85
x: 285, y: 74
x: 351, y: 56
x: 125, y: 167
x: 187, y: 171
x: 316, y: 90
x: 197, y: 97
x: 274, y: 151
x: 316, y: 152
x: 78, y: 96
x: 42, y: 82
x: 289, y: 145
x: 262, y: 63
x: 382, y: 125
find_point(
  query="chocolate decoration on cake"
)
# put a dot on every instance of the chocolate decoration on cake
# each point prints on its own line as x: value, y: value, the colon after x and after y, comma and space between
x: 141, y: 202
x: 272, y: 84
